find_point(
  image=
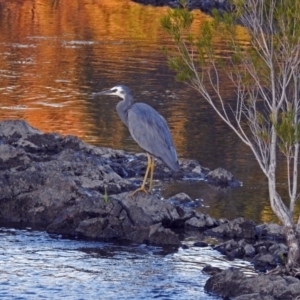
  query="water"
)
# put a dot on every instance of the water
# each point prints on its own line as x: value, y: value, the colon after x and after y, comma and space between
x: 53, y: 55
x: 34, y: 265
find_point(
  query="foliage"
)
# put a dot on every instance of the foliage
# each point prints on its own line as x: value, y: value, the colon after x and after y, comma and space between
x: 265, y: 73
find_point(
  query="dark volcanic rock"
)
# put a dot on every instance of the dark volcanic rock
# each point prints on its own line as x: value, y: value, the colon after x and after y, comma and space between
x: 72, y: 188
x: 200, y: 244
x: 184, y: 200
x: 264, y: 255
x: 209, y: 270
x: 233, y: 284
x: 238, y: 228
x: 231, y: 249
x: 270, y: 231
x: 269, y: 255
x: 201, y: 221
x: 222, y: 177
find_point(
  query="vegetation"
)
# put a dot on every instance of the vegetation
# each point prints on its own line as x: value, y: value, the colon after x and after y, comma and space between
x: 105, y: 196
x: 265, y: 73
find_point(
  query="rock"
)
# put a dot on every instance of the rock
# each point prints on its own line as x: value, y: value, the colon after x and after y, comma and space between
x: 155, y: 234
x: 238, y: 228
x: 196, y: 222
x: 210, y: 222
x: 226, y: 283
x: 184, y: 200
x: 200, y: 221
x: 255, y: 296
x: 249, y: 250
x: 269, y: 254
x: 158, y: 235
x: 222, y: 177
x: 265, y: 255
x: 197, y: 170
x: 183, y: 197
x: 210, y: 270
x: 192, y: 169
x: 270, y: 231
x: 231, y: 249
x: 264, y: 262
x: 69, y: 187
x: 148, y: 209
x: 184, y: 247
x: 233, y: 284
x: 17, y: 129
x: 280, y: 250
x: 200, y: 244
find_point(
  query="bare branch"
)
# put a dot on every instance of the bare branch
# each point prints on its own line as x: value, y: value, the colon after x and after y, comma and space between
x: 266, y: 77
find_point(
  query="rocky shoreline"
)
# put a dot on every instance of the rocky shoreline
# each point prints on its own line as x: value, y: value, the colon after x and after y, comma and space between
x: 68, y: 187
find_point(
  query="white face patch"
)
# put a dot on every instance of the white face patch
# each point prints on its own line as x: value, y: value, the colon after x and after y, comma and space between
x: 118, y: 91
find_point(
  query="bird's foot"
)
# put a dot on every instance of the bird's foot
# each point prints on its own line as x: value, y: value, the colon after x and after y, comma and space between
x: 141, y: 189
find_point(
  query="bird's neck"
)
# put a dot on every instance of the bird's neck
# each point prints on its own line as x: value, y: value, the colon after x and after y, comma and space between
x: 122, y: 108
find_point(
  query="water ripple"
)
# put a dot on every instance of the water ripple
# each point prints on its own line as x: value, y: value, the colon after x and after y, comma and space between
x: 34, y: 265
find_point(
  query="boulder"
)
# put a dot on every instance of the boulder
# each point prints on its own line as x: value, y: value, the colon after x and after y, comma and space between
x: 69, y: 187
x: 234, y: 284
x: 270, y: 231
x: 222, y: 177
x: 237, y: 228
x: 184, y: 200
x: 264, y: 255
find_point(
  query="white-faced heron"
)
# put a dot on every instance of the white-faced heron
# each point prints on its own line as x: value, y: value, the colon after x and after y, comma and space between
x: 148, y: 128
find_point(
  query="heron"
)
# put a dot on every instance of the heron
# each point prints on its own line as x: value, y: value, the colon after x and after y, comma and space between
x: 148, y: 128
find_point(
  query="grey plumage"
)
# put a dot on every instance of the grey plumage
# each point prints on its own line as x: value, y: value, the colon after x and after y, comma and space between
x: 146, y: 126
x: 150, y: 130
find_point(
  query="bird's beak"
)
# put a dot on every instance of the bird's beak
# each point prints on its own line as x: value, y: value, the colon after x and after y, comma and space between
x: 106, y: 92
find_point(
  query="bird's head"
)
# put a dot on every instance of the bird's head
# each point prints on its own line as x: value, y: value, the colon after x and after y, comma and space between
x: 119, y: 90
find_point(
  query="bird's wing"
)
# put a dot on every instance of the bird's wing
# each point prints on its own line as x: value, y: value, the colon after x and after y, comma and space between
x: 150, y: 130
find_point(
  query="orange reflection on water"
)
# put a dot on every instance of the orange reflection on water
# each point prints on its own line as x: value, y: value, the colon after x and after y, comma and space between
x: 44, y: 49
x: 54, y: 54
x: 51, y: 48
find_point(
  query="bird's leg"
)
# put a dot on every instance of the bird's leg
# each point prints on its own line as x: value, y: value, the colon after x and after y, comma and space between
x: 142, y: 188
x: 151, y: 174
